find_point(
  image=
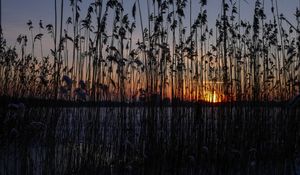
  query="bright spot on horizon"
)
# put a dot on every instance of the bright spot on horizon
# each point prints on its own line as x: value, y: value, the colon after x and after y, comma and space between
x: 212, y: 97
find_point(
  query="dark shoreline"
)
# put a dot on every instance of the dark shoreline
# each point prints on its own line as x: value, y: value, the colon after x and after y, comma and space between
x: 35, y: 102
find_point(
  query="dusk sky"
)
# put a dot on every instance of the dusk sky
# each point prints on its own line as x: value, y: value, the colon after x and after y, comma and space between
x: 16, y: 13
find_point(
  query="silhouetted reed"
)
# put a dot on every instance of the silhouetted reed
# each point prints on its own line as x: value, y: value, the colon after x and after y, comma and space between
x: 237, y: 60
x: 142, y: 140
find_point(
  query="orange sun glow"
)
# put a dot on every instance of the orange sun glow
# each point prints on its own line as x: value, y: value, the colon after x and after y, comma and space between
x: 212, y: 97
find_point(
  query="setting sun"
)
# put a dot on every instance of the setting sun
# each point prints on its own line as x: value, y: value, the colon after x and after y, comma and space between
x: 212, y: 97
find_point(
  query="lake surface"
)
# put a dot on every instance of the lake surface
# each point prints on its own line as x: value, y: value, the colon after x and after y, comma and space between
x: 143, y: 140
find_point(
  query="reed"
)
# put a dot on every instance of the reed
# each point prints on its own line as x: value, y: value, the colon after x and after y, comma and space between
x: 237, y: 60
x: 194, y: 140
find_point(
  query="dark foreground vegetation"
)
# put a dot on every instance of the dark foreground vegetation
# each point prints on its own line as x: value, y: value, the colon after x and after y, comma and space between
x: 118, y: 94
x: 150, y: 140
x: 111, y: 53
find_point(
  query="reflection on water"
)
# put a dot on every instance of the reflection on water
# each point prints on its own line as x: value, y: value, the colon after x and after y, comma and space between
x: 204, y: 140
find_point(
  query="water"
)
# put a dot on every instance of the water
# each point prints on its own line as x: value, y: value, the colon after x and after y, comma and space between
x: 183, y: 140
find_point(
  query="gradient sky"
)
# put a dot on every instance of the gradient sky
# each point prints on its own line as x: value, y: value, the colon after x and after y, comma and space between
x: 16, y: 13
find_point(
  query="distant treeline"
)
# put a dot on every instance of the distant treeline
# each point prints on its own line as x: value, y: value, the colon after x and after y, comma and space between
x: 16, y: 103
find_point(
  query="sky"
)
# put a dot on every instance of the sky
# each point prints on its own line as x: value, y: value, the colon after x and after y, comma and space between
x: 16, y: 13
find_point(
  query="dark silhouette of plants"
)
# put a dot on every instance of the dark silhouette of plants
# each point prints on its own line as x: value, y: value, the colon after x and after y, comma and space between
x: 237, y: 60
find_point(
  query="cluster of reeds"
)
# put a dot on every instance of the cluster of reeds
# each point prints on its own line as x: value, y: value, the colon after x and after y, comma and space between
x: 238, y: 60
x: 187, y: 140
